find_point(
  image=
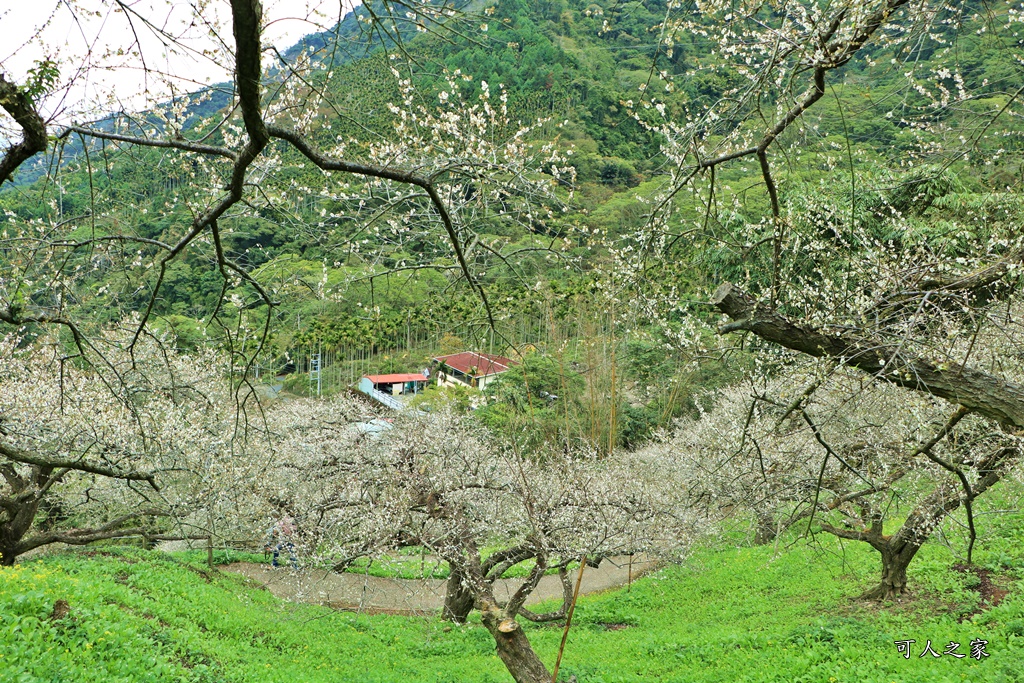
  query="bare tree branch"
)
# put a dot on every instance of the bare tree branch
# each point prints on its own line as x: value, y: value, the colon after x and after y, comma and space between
x: 978, y: 391
x: 79, y: 465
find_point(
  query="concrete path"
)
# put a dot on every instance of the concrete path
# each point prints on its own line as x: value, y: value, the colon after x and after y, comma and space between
x: 416, y: 596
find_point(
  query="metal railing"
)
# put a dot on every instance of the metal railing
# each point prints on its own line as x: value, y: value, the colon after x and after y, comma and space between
x: 389, y: 401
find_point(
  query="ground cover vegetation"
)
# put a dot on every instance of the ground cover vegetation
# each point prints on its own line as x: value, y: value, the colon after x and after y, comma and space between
x: 758, y: 265
x: 734, y: 614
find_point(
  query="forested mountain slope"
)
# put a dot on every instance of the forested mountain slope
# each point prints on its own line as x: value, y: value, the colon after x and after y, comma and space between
x: 591, y: 70
x: 595, y: 84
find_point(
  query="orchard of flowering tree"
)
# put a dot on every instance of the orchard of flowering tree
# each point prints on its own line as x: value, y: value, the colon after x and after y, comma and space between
x: 739, y: 282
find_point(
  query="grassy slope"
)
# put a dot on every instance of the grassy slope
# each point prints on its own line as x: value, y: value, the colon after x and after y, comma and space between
x: 732, y: 615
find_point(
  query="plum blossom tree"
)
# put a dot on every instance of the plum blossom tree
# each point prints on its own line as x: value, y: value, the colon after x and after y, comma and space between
x: 447, y: 163
x: 841, y: 454
x: 139, y: 443
x: 827, y: 249
x: 938, y: 326
x: 442, y: 482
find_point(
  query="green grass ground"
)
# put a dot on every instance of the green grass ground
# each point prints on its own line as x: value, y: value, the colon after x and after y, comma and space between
x: 730, y: 615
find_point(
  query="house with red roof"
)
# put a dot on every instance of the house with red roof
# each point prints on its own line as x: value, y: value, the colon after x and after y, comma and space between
x: 388, y: 388
x: 470, y: 368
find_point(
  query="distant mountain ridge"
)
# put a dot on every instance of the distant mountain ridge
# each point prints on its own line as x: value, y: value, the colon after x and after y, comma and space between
x: 220, y: 95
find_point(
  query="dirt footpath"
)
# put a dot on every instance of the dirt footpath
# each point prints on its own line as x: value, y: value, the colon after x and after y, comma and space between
x: 415, y: 596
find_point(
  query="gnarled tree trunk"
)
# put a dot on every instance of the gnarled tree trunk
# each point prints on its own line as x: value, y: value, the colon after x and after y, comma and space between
x: 898, y: 550
x: 765, y: 529
x: 458, y: 600
x: 17, y: 514
x: 8, y: 553
x: 894, y: 574
x: 514, y: 647
x: 511, y: 644
x: 475, y: 578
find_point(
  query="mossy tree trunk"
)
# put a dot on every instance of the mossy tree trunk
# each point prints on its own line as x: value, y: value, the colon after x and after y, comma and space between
x: 18, y: 510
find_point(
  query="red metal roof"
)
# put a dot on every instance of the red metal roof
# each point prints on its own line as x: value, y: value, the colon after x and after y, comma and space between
x: 396, y: 378
x: 477, y: 364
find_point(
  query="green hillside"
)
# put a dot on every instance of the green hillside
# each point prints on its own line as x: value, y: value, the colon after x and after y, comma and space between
x: 575, y: 62
x: 374, y: 299
x: 556, y: 60
x: 730, y: 614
